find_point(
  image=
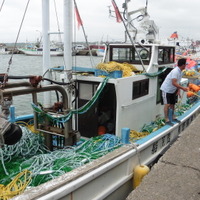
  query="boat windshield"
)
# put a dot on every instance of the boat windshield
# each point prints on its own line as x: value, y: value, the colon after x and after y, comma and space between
x: 130, y: 54
x: 166, y: 55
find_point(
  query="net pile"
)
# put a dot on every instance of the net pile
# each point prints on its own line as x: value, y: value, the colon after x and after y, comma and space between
x: 31, y: 154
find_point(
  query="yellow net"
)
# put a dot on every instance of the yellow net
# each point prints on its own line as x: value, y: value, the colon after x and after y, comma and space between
x: 16, y: 186
x: 126, y: 68
x: 135, y: 135
x: 29, y: 125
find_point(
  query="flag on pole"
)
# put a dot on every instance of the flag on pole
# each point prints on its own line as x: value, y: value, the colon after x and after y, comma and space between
x: 174, y: 35
x: 117, y: 13
x: 78, y: 17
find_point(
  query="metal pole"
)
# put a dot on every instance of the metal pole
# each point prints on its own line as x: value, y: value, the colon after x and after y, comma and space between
x: 46, y: 49
x: 67, y: 35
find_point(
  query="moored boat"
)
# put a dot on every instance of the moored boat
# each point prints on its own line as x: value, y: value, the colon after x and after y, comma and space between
x: 121, y: 94
x: 39, y: 51
x: 3, y: 49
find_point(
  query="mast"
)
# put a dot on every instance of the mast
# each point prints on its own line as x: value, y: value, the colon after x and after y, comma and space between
x: 67, y: 38
x: 46, y: 49
x: 67, y: 12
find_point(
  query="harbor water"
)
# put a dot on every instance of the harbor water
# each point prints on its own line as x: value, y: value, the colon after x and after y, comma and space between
x: 22, y: 65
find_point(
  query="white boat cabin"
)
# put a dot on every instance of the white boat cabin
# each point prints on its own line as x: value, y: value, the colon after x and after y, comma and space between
x: 128, y: 101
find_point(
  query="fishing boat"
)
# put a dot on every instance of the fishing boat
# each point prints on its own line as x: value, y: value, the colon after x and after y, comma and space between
x: 119, y: 103
x: 3, y: 49
x: 100, y: 49
x: 37, y: 50
x: 95, y: 50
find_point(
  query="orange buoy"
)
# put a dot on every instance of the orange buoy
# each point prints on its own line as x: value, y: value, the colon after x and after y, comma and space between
x: 139, y: 172
x: 101, y: 130
x: 190, y: 94
x: 194, y: 87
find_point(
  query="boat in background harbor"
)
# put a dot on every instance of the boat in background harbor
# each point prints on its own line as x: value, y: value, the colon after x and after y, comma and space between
x: 37, y: 50
x: 94, y: 50
x: 100, y: 52
x: 3, y: 49
x: 100, y: 49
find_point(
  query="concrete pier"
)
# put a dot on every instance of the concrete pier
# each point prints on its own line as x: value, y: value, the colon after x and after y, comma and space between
x: 176, y: 176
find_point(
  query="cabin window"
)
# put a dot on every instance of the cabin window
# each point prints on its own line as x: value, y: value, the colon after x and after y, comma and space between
x: 166, y: 55
x: 142, y: 53
x: 140, y: 88
x: 122, y: 54
x: 130, y: 54
x: 86, y: 91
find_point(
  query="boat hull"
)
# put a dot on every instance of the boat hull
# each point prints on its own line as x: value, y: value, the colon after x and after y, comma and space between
x: 110, y: 177
x: 40, y: 53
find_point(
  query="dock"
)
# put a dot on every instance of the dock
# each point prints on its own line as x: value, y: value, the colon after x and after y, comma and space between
x: 176, y: 176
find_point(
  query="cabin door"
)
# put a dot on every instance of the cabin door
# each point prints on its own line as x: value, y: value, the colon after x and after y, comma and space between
x: 102, y: 113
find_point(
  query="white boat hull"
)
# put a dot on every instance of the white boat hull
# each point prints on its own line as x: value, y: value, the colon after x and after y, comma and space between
x: 110, y: 177
x: 40, y: 53
x: 100, y: 52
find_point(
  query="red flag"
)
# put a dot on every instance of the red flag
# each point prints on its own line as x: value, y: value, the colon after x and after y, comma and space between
x: 78, y: 17
x: 117, y: 13
x: 174, y: 35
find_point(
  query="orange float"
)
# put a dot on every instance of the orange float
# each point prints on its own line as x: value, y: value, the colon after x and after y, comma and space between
x: 193, y: 87
x: 101, y: 130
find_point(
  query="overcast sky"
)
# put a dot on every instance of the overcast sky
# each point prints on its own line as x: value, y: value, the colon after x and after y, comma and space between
x: 182, y: 16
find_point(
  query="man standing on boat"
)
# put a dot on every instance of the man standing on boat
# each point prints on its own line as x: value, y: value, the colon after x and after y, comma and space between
x: 171, y: 89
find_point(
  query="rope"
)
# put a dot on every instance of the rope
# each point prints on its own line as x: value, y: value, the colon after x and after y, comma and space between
x: 86, y: 40
x: 30, y: 154
x: 15, y: 44
x: 29, y: 145
x: 182, y: 108
x: 137, y: 153
x: 58, y: 24
x: 194, y: 93
x: 146, y: 129
x: 135, y: 135
x: 155, y: 74
x: 80, y: 110
x: 47, y: 166
x: 16, y: 186
x: 130, y: 38
x: 2, y: 162
x: 2, y: 5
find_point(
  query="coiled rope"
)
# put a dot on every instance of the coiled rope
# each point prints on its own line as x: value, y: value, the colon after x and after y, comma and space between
x: 16, y: 186
x: 30, y: 154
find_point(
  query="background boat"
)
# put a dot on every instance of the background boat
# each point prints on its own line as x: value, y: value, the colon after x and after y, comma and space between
x: 39, y: 52
x: 132, y: 99
x: 37, y: 49
x: 3, y: 49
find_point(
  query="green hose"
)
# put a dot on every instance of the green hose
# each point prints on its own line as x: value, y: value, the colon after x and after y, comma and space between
x: 80, y: 110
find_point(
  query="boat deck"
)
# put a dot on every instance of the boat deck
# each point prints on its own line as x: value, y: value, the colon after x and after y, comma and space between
x: 176, y: 175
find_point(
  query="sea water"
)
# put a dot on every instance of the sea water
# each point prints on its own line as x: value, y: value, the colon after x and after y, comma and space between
x: 22, y: 65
